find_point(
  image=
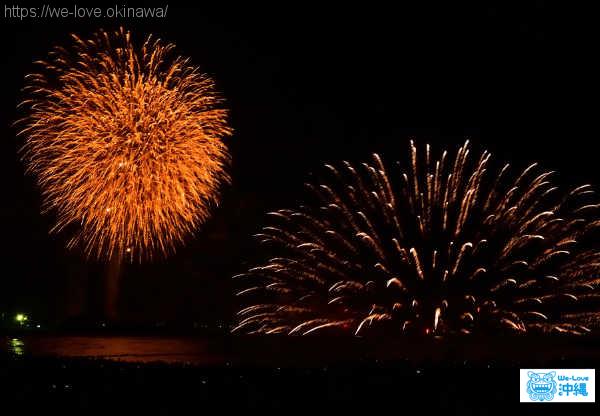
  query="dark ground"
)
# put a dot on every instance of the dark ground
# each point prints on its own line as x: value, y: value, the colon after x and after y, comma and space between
x: 460, y: 376
x: 72, y: 386
x: 96, y: 386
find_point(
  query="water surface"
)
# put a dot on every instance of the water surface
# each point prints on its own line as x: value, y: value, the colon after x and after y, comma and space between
x: 123, y: 348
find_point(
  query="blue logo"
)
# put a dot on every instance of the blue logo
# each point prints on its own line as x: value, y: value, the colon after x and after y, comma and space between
x: 544, y: 385
x: 541, y: 386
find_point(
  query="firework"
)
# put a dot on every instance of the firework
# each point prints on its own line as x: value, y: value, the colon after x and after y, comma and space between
x: 125, y: 143
x: 451, y: 245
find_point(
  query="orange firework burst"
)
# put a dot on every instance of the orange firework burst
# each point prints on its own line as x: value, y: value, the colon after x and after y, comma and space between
x: 125, y: 143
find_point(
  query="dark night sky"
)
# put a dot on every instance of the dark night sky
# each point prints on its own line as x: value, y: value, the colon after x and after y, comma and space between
x: 308, y: 84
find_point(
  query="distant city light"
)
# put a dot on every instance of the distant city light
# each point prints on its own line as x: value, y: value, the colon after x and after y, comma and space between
x: 21, y: 318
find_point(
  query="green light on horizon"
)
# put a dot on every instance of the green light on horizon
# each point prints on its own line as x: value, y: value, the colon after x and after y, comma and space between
x: 21, y: 318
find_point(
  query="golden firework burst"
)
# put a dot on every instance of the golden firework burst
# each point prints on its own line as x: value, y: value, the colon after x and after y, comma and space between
x: 125, y: 143
x: 456, y: 245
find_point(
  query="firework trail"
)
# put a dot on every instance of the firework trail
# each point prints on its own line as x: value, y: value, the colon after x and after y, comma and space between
x: 452, y: 246
x: 125, y: 143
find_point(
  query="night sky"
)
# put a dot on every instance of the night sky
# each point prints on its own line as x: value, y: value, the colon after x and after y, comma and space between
x: 306, y: 85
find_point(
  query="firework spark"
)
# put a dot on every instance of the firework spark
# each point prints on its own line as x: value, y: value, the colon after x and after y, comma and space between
x: 125, y: 143
x: 449, y: 248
